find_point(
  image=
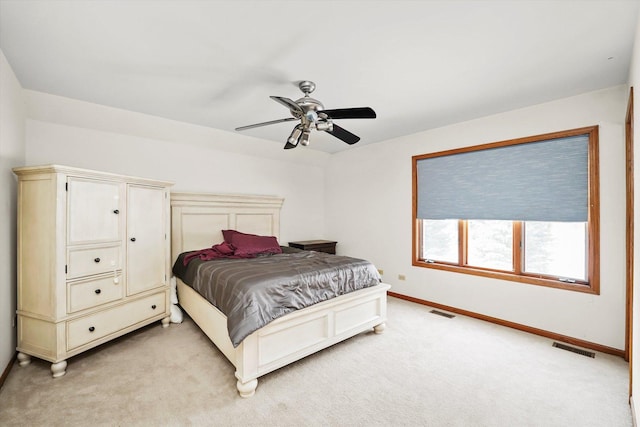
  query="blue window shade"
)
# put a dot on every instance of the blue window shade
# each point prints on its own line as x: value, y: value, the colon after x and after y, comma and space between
x: 534, y: 181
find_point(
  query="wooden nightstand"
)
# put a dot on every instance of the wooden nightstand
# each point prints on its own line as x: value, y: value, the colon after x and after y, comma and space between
x: 327, y: 246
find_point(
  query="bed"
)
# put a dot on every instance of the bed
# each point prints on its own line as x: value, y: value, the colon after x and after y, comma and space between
x: 197, y: 221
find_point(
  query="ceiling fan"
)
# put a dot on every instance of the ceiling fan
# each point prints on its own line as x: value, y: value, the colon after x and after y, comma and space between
x: 311, y: 114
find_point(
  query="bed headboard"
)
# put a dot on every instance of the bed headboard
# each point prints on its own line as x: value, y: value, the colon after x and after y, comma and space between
x: 197, y: 218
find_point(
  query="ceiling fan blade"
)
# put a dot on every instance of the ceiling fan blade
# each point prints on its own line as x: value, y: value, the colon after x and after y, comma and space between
x: 351, y: 113
x: 288, y: 103
x: 272, y: 122
x: 289, y: 146
x: 344, y: 134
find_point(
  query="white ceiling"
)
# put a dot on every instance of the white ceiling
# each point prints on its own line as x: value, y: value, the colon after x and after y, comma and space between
x: 418, y: 64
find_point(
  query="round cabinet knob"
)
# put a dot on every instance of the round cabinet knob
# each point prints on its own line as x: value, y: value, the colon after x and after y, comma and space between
x: 96, y: 260
x: 91, y: 328
x: 97, y: 291
x: 133, y: 239
x: 153, y: 307
x: 116, y: 211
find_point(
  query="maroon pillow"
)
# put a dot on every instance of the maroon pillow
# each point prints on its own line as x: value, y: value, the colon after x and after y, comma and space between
x: 227, y: 235
x: 250, y: 244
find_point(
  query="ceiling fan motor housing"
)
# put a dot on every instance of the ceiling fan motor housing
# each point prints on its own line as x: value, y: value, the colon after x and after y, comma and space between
x: 309, y: 104
x: 310, y: 118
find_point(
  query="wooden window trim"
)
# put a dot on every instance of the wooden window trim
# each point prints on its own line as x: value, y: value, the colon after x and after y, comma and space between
x: 593, y: 223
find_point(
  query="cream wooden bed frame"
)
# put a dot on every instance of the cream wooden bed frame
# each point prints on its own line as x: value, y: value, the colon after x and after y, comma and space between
x: 197, y: 221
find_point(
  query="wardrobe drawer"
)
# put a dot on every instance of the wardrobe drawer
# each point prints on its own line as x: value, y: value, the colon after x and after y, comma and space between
x: 95, y: 260
x: 94, y: 293
x: 85, y: 329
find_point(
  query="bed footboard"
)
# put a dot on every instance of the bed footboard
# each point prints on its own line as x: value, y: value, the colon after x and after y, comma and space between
x: 307, y: 331
x: 291, y: 337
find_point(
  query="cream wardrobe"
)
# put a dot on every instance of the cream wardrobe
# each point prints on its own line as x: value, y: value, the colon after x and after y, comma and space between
x: 93, y: 259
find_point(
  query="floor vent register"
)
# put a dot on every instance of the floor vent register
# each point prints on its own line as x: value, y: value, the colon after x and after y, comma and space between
x: 443, y: 314
x: 575, y: 350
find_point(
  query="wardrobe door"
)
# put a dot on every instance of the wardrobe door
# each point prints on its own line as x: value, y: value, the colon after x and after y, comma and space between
x: 146, y: 238
x: 94, y: 211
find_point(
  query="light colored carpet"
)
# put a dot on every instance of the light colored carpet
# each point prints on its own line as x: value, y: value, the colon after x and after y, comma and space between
x: 424, y: 370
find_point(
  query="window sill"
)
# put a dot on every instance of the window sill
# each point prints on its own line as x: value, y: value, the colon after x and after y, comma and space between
x: 532, y: 280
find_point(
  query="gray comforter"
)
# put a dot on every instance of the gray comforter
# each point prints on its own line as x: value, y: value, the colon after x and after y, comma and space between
x: 253, y: 292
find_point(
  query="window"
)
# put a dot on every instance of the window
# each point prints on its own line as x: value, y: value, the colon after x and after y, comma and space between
x: 440, y: 240
x: 536, y: 222
x: 490, y: 244
x: 556, y: 249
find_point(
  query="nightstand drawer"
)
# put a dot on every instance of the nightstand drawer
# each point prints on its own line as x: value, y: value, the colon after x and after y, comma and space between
x: 328, y: 246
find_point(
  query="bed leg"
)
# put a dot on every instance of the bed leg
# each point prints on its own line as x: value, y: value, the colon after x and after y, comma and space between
x: 378, y: 329
x: 247, y: 389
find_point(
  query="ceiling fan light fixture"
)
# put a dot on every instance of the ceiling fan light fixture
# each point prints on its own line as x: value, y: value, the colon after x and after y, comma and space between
x: 324, y: 125
x: 312, y: 116
x: 295, y: 135
x: 304, y: 139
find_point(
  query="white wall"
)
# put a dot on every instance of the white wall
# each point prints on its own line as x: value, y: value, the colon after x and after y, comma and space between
x: 12, y: 147
x: 75, y: 133
x: 369, y: 213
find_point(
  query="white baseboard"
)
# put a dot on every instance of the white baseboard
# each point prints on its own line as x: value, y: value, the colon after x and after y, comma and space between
x: 633, y: 411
